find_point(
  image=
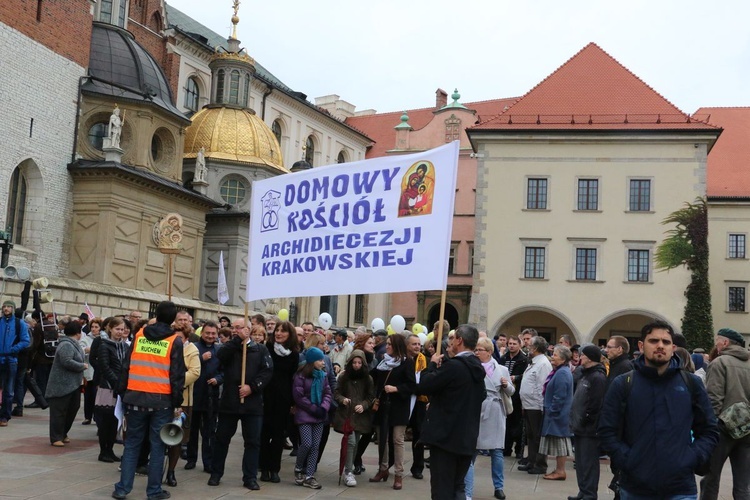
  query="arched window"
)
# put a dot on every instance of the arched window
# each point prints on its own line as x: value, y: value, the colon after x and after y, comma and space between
x: 342, y: 157
x: 192, y: 94
x: 232, y: 190
x: 309, y: 150
x: 234, y: 87
x: 17, y: 205
x: 97, y: 133
x: 276, y: 129
x: 220, y: 86
x: 246, y: 94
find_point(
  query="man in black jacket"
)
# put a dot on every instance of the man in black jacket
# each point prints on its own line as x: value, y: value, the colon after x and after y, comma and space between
x: 451, y: 427
x: 205, y: 398
x: 618, y: 348
x: 516, y: 362
x: 258, y: 372
x: 584, y: 417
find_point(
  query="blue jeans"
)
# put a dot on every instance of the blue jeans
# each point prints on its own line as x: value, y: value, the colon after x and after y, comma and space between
x: 624, y: 495
x: 498, y: 479
x: 139, y: 424
x: 8, y: 382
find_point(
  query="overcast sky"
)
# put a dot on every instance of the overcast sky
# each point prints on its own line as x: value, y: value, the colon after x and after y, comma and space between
x: 393, y: 54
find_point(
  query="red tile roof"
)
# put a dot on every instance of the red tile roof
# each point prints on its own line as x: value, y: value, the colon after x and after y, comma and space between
x: 592, y: 91
x: 379, y: 127
x: 729, y: 159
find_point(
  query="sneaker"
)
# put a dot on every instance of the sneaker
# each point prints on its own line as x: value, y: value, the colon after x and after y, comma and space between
x: 119, y: 495
x: 310, y: 482
x: 141, y: 471
x: 160, y: 496
x: 17, y: 412
x: 349, y: 479
x: 299, y: 477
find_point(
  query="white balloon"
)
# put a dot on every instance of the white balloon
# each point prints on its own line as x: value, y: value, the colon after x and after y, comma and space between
x: 422, y: 337
x: 378, y: 324
x: 425, y: 331
x: 398, y: 323
x: 325, y: 321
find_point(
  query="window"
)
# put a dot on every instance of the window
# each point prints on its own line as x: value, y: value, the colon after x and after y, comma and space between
x: 341, y: 157
x: 452, y: 258
x: 246, y: 93
x: 234, y: 87
x: 736, y: 246
x: 121, y: 15
x: 452, y: 129
x: 536, y: 195
x: 112, y: 12
x: 276, y: 129
x: 586, y: 264
x: 640, y: 195
x: 329, y: 304
x: 97, y: 133
x: 471, y: 258
x: 588, y: 194
x: 220, y: 86
x: 232, y: 191
x: 105, y: 11
x: 309, y: 150
x: 17, y: 205
x: 156, y: 148
x: 192, y: 94
x: 638, y: 265
x: 534, y: 263
x: 360, y: 308
x: 737, y: 299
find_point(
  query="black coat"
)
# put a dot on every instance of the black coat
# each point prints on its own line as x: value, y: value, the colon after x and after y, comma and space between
x: 516, y: 366
x: 395, y: 405
x: 621, y: 364
x: 456, y: 392
x: 258, y: 372
x: 210, y: 368
x: 277, y: 396
x: 587, y: 400
x: 111, y: 354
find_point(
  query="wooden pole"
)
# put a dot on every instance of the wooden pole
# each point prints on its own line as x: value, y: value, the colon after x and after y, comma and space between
x: 169, y: 277
x: 440, y: 323
x: 244, y: 352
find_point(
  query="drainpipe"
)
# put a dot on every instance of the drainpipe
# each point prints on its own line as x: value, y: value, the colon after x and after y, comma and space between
x: 263, y: 103
x: 78, y: 117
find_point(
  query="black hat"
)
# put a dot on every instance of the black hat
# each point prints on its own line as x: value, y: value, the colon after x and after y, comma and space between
x: 380, y: 333
x: 732, y: 335
x: 593, y: 353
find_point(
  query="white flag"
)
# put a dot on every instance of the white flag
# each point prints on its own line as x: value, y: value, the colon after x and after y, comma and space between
x: 221, y: 287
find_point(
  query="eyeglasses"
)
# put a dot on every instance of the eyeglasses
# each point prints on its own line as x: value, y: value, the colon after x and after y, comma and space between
x: 610, y: 346
x: 480, y: 349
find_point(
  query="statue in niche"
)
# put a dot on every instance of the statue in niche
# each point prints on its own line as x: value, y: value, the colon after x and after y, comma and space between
x: 115, y: 127
x: 200, y: 166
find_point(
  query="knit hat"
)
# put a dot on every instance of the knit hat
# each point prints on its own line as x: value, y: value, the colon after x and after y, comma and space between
x: 728, y: 333
x: 313, y: 354
x: 8, y: 302
x: 593, y: 353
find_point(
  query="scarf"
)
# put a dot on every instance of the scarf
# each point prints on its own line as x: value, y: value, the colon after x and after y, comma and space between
x: 281, y: 350
x: 489, y: 368
x: 316, y: 390
x: 549, y: 377
x: 388, y: 363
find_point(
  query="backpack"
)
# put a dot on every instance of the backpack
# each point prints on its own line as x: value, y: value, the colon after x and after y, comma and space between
x: 702, y: 469
x: 50, y: 336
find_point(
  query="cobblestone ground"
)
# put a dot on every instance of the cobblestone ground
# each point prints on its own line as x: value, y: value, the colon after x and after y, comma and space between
x: 31, y: 468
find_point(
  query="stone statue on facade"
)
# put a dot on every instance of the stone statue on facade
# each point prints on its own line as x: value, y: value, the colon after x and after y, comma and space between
x: 115, y: 128
x: 200, y: 166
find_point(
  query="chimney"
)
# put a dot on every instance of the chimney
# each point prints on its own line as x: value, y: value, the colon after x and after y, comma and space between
x: 441, y: 98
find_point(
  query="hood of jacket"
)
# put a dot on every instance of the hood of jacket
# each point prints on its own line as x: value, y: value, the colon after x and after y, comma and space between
x: 476, y: 370
x: 158, y: 331
x: 736, y: 351
x: 651, y: 372
x: 592, y: 369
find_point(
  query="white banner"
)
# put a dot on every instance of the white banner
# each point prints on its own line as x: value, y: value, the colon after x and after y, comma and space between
x: 374, y: 226
x: 222, y: 291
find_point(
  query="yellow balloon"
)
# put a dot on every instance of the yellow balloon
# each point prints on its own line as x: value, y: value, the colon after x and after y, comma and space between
x: 430, y: 335
x: 390, y: 330
x: 416, y: 329
x: 283, y: 314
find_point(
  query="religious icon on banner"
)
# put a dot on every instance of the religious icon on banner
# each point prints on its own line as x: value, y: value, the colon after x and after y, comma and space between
x: 417, y: 190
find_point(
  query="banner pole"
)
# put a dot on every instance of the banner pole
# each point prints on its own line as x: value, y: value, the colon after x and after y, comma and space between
x: 244, y: 351
x: 440, y: 323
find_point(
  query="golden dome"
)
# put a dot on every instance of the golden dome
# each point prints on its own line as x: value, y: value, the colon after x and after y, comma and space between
x: 233, y: 134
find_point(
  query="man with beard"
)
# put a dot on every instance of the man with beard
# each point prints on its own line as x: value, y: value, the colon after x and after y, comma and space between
x: 14, y: 337
x: 647, y: 419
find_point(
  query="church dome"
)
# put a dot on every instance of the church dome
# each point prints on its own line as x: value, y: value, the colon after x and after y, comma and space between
x: 233, y: 134
x: 123, y: 69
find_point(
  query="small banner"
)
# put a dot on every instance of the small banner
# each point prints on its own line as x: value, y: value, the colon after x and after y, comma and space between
x: 374, y: 226
x: 221, y: 287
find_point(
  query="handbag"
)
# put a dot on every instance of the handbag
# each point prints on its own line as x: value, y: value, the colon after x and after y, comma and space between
x: 736, y: 419
x: 376, y: 402
x: 507, y: 402
x: 105, y: 397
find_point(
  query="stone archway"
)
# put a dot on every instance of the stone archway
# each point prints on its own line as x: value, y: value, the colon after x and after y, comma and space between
x: 550, y: 323
x: 451, y: 314
x: 31, y: 213
x: 626, y: 322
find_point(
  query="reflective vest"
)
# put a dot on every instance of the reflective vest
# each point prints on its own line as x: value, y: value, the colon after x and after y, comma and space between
x: 149, y: 365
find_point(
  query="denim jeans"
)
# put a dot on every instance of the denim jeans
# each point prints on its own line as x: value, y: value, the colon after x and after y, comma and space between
x: 624, y: 495
x: 141, y: 424
x: 8, y: 382
x: 498, y: 479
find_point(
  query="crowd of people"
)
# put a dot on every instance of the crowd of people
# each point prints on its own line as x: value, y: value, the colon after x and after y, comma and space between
x: 660, y: 414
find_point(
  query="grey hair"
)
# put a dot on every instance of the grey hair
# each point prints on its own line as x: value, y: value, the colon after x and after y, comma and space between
x: 539, y: 344
x: 564, y: 352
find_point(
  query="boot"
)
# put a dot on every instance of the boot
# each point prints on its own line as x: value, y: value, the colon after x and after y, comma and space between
x: 397, y: 482
x: 382, y: 475
x: 171, y: 480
